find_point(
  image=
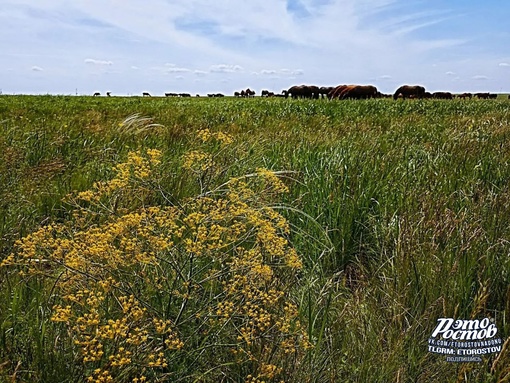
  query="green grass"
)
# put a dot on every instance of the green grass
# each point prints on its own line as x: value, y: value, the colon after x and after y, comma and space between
x: 400, y: 210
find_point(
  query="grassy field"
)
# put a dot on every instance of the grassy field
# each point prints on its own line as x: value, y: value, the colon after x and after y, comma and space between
x: 249, y: 240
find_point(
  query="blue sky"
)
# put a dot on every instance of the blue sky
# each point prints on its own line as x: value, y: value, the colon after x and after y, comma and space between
x: 203, y: 46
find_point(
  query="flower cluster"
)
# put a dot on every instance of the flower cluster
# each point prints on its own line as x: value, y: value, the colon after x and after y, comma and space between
x: 148, y: 285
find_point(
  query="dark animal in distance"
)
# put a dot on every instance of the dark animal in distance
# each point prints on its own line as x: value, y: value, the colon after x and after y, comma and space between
x: 482, y: 95
x: 464, y: 95
x: 266, y: 93
x: 335, y: 92
x: 109, y: 94
x: 97, y: 94
x: 249, y: 93
x: 493, y: 96
x: 324, y: 91
x: 442, y: 95
x: 299, y: 91
x: 358, y: 92
x: 409, y: 91
x: 146, y: 94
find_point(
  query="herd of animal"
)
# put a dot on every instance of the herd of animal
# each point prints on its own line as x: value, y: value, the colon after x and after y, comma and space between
x: 342, y: 92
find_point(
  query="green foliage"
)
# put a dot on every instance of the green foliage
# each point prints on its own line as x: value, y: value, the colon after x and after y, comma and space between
x: 399, y: 211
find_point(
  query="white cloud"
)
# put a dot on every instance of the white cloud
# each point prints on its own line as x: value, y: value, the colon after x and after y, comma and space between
x: 504, y: 64
x: 37, y: 68
x: 98, y: 62
x: 134, y: 67
x: 480, y: 77
x: 200, y: 73
x: 385, y: 77
x: 172, y: 68
x: 280, y: 72
x: 450, y: 73
x: 225, y: 68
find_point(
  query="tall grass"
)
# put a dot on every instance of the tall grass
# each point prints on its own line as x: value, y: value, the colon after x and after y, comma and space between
x: 399, y: 210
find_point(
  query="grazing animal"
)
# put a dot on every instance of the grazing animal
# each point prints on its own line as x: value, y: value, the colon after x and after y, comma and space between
x: 184, y: 95
x: 358, y: 92
x: 109, y: 94
x: 146, y: 94
x: 299, y: 91
x: 97, y: 94
x: 464, y: 95
x: 493, y: 96
x: 171, y: 94
x: 482, y: 95
x: 406, y: 91
x: 442, y: 95
x: 219, y: 95
x: 336, y: 91
x: 315, y: 92
x: 237, y: 94
x: 249, y: 93
x: 324, y: 91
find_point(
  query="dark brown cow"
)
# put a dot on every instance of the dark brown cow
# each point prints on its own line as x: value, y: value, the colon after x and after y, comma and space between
x: 482, y: 95
x: 315, y: 91
x: 358, y: 92
x: 249, y: 93
x: 409, y: 91
x: 146, y: 94
x: 97, y: 94
x: 442, y: 95
x: 493, y: 96
x: 299, y: 91
x: 324, y: 91
x: 464, y: 95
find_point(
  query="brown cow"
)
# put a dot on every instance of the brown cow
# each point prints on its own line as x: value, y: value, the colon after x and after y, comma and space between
x: 409, y: 91
x: 335, y: 92
x: 358, y: 92
x: 324, y: 91
x: 299, y: 91
x: 482, y: 95
x: 464, y: 95
x: 442, y: 95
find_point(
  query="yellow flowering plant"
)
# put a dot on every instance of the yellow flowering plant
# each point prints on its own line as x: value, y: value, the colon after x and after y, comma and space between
x: 153, y: 292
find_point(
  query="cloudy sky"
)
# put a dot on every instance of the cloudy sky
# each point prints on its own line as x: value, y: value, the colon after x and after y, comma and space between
x: 205, y: 46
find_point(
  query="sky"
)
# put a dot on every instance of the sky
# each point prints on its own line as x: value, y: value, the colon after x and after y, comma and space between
x: 128, y: 47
